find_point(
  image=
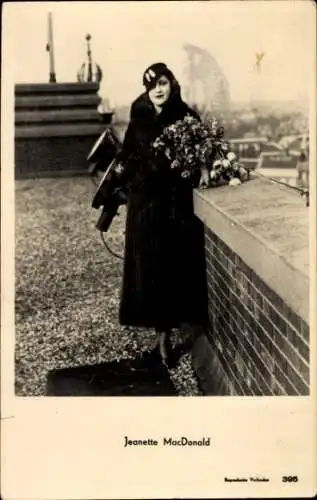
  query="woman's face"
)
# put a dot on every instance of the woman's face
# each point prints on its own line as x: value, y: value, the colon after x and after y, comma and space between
x: 161, y: 92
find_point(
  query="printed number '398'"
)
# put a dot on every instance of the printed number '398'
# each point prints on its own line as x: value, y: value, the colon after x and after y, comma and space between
x: 289, y: 479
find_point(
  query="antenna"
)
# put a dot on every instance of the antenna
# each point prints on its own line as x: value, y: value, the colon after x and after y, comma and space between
x: 50, y: 49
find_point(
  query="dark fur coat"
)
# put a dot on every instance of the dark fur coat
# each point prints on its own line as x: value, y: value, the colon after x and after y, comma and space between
x: 164, y: 282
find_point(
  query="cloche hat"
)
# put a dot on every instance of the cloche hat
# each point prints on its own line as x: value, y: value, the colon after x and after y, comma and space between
x: 154, y: 72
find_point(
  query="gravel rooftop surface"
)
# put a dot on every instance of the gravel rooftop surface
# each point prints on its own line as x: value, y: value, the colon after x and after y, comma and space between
x: 67, y: 288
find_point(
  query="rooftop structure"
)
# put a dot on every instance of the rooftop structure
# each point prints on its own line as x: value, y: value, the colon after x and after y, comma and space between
x: 89, y: 71
x: 207, y: 83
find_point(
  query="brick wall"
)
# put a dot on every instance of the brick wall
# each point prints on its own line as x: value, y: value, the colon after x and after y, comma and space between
x: 262, y: 344
x: 258, y: 340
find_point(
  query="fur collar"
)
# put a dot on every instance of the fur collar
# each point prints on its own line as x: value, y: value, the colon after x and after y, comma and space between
x: 143, y: 115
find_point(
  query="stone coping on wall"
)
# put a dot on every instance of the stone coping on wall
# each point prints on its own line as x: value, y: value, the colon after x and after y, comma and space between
x: 267, y: 225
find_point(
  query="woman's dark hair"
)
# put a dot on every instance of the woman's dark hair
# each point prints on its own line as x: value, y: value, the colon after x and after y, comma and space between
x: 175, y: 89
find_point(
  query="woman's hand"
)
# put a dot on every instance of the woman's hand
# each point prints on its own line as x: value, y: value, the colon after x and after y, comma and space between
x: 204, y: 178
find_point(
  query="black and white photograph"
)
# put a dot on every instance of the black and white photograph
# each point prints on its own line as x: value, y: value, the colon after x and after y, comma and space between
x: 163, y: 205
x: 162, y: 212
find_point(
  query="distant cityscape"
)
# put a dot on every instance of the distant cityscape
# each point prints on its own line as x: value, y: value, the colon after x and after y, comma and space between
x: 271, y: 136
x: 267, y: 138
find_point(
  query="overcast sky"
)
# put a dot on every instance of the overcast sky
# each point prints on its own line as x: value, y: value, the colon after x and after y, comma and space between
x: 128, y: 36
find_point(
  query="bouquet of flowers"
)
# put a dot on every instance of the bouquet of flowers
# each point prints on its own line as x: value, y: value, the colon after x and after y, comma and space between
x: 193, y: 146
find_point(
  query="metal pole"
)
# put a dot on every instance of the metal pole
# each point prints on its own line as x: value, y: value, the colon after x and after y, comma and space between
x: 51, y: 49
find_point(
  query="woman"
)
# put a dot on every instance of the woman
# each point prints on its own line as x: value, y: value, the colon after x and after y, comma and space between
x: 164, y: 282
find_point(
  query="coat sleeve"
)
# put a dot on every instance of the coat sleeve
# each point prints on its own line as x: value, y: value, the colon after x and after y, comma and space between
x: 128, y: 144
x: 128, y: 152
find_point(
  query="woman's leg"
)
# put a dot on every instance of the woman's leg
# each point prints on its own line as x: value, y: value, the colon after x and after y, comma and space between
x: 165, y: 346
